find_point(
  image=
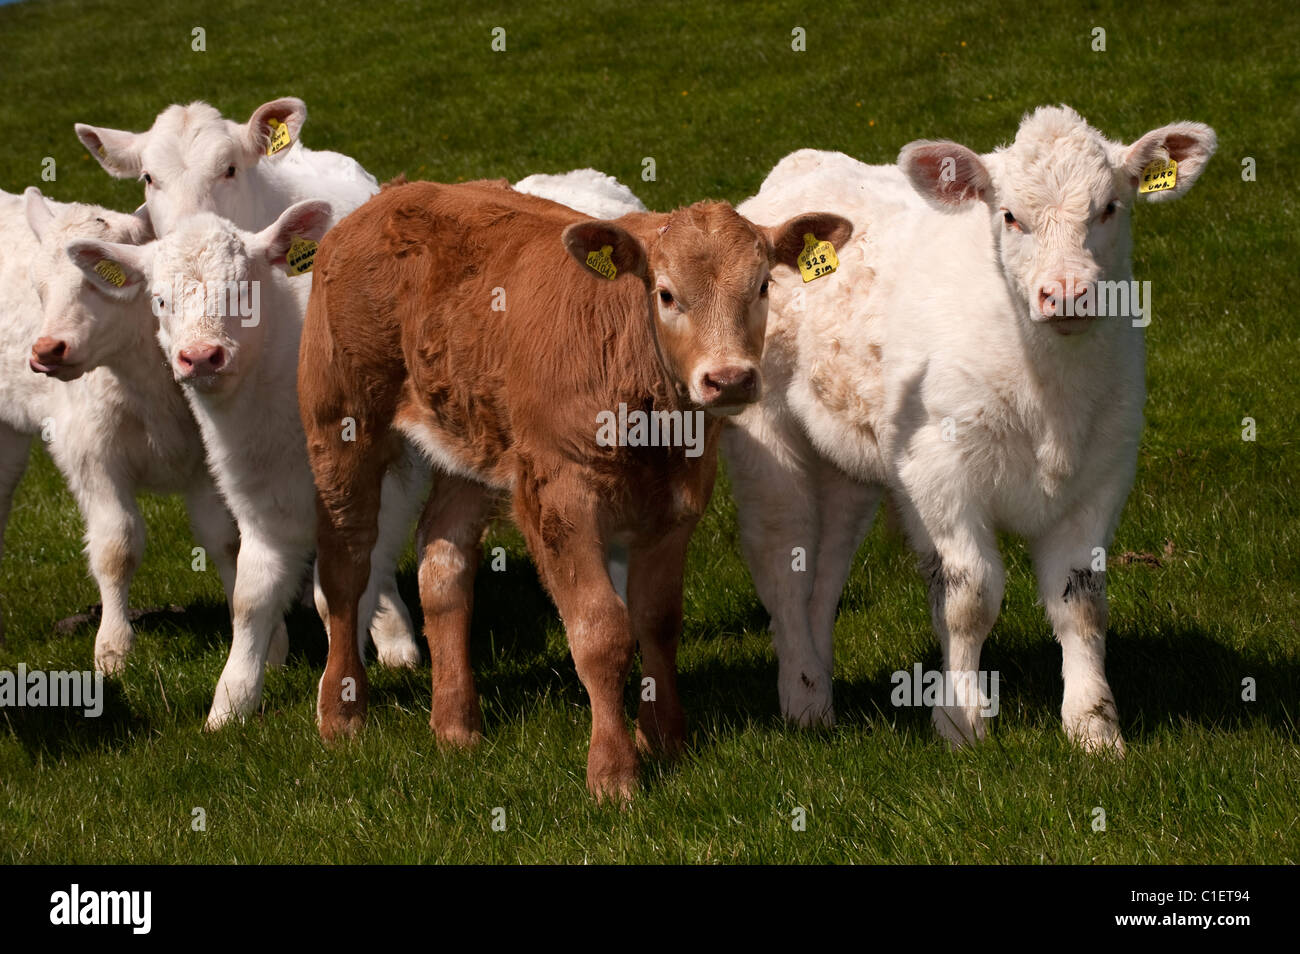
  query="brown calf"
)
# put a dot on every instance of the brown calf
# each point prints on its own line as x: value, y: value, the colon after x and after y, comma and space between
x: 402, y: 336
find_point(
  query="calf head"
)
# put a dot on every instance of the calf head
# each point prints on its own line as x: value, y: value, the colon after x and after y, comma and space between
x: 1059, y: 200
x: 192, y: 160
x: 706, y: 271
x: 84, y: 322
x: 205, y: 280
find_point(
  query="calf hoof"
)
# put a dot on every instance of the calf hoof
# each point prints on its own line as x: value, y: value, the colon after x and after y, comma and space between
x: 612, y: 772
x: 1095, y: 729
x: 959, y: 726
x: 457, y: 735
x: 110, y: 662
x: 660, y: 734
x: 613, y: 788
x: 340, y: 726
x: 806, y: 700
x: 220, y: 718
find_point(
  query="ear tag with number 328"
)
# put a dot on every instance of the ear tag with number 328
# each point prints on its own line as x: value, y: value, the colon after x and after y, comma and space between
x: 817, y: 258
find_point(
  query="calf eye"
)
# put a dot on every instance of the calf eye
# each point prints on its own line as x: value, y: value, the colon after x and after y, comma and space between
x: 1109, y: 211
x: 762, y: 289
x: 666, y: 296
x: 1008, y: 218
x: 230, y: 172
x: 148, y: 179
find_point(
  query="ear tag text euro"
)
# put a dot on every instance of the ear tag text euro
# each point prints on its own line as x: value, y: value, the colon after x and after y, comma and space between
x: 301, y: 255
x: 602, y: 262
x: 111, y: 272
x: 1159, y: 175
x: 817, y: 258
x: 279, y: 136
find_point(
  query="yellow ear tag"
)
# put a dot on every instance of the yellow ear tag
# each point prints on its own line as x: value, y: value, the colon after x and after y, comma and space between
x: 279, y: 136
x: 817, y: 258
x: 1160, y: 175
x: 111, y: 272
x: 301, y: 254
x: 602, y: 262
x: 102, y: 153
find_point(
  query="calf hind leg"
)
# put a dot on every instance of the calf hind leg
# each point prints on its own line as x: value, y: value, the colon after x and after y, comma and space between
x: 450, y: 530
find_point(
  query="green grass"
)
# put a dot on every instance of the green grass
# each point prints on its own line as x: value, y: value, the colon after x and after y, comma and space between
x: 716, y: 97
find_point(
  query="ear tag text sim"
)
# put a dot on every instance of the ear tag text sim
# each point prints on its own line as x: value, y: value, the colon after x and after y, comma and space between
x: 279, y: 136
x: 1159, y: 175
x: 111, y: 272
x: 817, y: 258
x: 301, y: 256
x: 602, y: 262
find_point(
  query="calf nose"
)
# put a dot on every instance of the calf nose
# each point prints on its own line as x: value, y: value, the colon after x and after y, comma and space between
x: 730, y: 385
x: 201, y: 360
x: 49, y: 351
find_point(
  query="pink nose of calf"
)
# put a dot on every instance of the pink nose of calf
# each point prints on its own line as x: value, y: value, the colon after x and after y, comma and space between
x: 730, y: 385
x: 1053, y: 295
x: 49, y: 351
x: 201, y: 360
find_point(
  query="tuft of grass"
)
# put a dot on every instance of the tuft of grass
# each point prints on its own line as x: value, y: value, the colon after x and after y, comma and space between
x: 716, y: 96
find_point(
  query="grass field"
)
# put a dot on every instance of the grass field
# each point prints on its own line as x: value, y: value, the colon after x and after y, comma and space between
x: 716, y: 96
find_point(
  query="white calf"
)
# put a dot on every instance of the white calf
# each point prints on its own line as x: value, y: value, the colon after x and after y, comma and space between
x: 953, y: 359
x: 119, y: 425
x: 586, y: 190
x: 229, y: 322
x: 192, y: 160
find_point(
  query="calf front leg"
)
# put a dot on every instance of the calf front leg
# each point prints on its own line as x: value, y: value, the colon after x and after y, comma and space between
x: 215, y: 530
x: 266, y: 580
x: 776, y: 507
x: 966, y: 579
x: 655, y: 577
x: 1074, y: 596
x: 114, y: 547
x: 563, y: 534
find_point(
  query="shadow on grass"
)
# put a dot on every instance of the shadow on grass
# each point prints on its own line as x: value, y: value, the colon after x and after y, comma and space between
x: 1181, y: 675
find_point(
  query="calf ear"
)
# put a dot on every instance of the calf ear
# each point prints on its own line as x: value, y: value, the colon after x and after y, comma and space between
x: 288, y: 111
x: 119, y: 271
x: 305, y: 220
x: 39, y: 215
x: 117, y: 150
x: 787, y: 239
x: 946, y: 172
x: 625, y: 250
x: 1189, y: 144
x: 143, y: 230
